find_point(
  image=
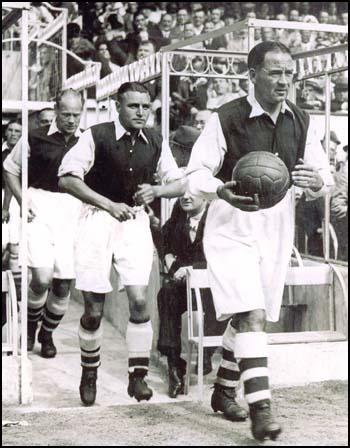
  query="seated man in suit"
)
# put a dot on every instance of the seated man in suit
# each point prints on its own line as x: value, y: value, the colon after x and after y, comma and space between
x: 182, y: 246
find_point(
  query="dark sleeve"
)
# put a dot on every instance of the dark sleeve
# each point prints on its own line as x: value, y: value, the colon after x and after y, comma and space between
x: 169, y: 243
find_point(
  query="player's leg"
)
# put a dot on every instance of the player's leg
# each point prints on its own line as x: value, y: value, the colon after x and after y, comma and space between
x: 90, y: 339
x: 55, y: 308
x: 139, y: 335
x: 37, y: 296
x: 251, y: 350
x: 227, y: 380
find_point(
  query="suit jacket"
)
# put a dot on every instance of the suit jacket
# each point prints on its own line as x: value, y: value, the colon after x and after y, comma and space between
x: 176, y: 239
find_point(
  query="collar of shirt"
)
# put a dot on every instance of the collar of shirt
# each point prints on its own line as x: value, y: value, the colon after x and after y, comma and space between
x: 5, y: 147
x: 120, y: 131
x: 194, y: 220
x: 53, y: 129
x: 257, y: 110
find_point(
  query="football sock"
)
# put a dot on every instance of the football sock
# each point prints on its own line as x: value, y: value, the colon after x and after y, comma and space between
x: 139, y: 342
x: 36, y: 303
x: 90, y: 346
x: 228, y: 372
x: 54, y: 311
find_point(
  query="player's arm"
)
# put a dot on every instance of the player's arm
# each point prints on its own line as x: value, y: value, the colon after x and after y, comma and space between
x: 75, y: 164
x: 12, y: 174
x: 206, y: 161
x: 78, y: 188
x: 312, y: 173
x: 6, y: 204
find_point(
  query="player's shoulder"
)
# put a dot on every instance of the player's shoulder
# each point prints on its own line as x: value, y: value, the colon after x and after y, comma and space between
x: 301, y: 113
x: 153, y: 135
x: 234, y: 106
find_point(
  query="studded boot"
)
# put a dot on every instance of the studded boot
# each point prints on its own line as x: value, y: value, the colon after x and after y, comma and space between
x: 87, y: 386
x: 137, y: 385
x: 224, y: 400
x: 263, y: 423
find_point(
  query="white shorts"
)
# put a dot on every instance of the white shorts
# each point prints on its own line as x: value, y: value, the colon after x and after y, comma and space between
x: 52, y: 233
x: 104, y: 240
x: 248, y: 255
x: 11, y: 230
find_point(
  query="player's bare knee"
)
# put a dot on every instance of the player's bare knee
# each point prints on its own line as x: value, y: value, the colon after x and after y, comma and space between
x: 61, y: 287
x: 251, y: 321
x: 40, y: 285
x: 140, y: 305
x: 92, y: 321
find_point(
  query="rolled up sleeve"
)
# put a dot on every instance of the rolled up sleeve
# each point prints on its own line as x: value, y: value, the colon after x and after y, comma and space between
x: 167, y: 168
x: 13, y: 162
x: 80, y: 158
x: 206, y: 160
x: 316, y: 157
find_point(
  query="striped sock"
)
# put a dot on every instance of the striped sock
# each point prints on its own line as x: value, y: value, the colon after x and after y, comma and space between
x: 228, y: 372
x: 15, y: 269
x: 139, y: 341
x: 36, y: 303
x: 251, y: 350
x: 90, y: 346
x: 54, y: 311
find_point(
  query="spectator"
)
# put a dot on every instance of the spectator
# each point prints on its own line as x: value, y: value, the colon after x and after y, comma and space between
x: 165, y: 27
x: 267, y: 34
x: 182, y: 17
x: 42, y: 77
x: 103, y: 55
x: 187, y: 223
x: 129, y: 16
x: 264, y: 12
x: 39, y: 15
x: 323, y: 17
x: 305, y: 13
x: 142, y: 32
x: 340, y: 102
x: 181, y: 143
x: 294, y: 15
x: 312, y: 96
x: 201, y: 118
x: 307, y: 42
x: 284, y: 8
x: 116, y: 42
x: 45, y: 117
x: 198, y: 21
x: 333, y: 13
x: 334, y: 142
x: 80, y: 46
x: 212, y: 43
x: 189, y: 32
x: 223, y: 91
x: 339, y: 210
x: 344, y: 18
x: 216, y: 15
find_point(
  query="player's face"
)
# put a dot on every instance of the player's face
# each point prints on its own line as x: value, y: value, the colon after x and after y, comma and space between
x: 273, y: 79
x: 68, y: 114
x: 134, y: 109
x: 46, y: 117
x: 191, y: 203
x: 13, y: 134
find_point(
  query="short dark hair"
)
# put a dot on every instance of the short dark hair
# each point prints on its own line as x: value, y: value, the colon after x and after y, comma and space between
x: 45, y: 109
x: 14, y: 121
x: 131, y: 87
x: 61, y: 93
x: 257, y: 54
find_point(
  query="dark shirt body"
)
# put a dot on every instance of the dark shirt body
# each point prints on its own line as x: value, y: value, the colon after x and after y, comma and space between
x: 46, y: 154
x: 119, y: 166
x: 243, y: 134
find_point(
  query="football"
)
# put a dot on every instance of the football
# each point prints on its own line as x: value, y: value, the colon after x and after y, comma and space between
x: 262, y: 173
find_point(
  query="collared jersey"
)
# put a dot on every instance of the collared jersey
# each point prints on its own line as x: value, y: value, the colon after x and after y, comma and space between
x: 113, y: 165
x: 47, y: 147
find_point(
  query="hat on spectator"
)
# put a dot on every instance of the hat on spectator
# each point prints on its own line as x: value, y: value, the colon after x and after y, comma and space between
x: 114, y: 22
x: 341, y: 86
x: 73, y: 30
x: 185, y: 136
x: 171, y: 8
x: 345, y: 148
x: 314, y: 84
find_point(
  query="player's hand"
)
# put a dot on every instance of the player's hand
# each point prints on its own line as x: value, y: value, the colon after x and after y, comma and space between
x: 306, y: 176
x: 180, y: 275
x: 121, y: 211
x: 145, y: 194
x: 5, y: 216
x: 340, y: 211
x: 245, y: 203
x: 154, y: 221
x: 31, y: 214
